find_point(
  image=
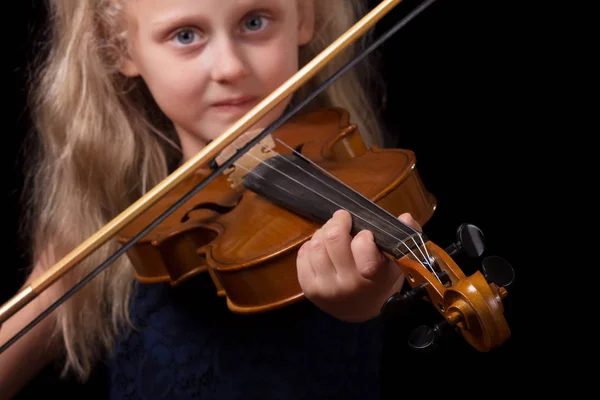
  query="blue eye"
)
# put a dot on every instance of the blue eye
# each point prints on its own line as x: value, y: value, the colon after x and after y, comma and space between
x: 254, y: 23
x: 185, y: 36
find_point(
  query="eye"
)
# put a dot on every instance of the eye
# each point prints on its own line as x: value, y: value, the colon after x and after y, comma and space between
x: 254, y: 23
x: 186, y: 36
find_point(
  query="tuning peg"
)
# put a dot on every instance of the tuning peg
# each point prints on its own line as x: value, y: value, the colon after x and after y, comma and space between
x: 499, y: 271
x: 427, y: 339
x: 469, y: 239
x: 399, y: 303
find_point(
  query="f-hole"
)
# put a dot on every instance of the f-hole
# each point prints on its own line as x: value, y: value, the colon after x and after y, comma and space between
x: 218, y: 208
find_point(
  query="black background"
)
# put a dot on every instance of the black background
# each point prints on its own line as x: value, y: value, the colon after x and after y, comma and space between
x: 455, y: 99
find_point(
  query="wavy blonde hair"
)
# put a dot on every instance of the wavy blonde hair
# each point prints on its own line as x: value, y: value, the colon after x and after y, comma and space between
x: 102, y: 142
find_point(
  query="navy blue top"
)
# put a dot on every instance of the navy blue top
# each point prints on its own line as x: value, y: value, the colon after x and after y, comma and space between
x: 188, y: 345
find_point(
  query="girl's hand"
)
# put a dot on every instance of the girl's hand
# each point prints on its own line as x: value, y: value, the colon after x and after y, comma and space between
x: 349, y: 278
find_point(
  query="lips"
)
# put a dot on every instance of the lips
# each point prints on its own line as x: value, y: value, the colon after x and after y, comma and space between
x: 235, y: 101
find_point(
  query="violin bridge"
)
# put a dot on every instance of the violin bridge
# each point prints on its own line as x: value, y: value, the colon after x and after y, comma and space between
x: 245, y: 164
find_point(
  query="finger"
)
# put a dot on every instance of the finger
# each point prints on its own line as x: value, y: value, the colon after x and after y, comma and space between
x: 336, y: 233
x: 318, y: 256
x: 370, y: 261
x: 407, y: 219
x: 303, y: 262
x: 307, y: 276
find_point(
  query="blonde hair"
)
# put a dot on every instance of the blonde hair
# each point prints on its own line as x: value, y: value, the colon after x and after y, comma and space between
x: 101, y: 142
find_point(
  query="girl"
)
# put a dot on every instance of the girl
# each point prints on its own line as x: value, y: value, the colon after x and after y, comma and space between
x: 129, y: 90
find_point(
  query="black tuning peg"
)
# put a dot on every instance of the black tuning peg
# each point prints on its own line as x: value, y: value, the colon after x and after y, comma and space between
x: 469, y: 239
x: 499, y: 271
x: 399, y: 303
x: 427, y: 339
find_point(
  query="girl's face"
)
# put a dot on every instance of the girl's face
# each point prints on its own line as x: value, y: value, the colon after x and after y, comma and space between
x: 208, y: 62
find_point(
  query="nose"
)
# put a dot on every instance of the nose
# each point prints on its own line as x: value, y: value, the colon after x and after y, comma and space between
x: 228, y: 63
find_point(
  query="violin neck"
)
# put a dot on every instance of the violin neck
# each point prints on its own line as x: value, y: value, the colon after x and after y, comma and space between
x: 294, y: 183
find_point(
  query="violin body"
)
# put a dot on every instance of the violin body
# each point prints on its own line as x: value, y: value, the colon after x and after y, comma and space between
x: 247, y: 243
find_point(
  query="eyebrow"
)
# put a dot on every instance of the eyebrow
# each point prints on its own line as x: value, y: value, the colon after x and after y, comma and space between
x: 170, y: 18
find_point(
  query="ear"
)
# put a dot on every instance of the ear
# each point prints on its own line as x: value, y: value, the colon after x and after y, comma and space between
x: 129, y: 66
x: 306, y: 21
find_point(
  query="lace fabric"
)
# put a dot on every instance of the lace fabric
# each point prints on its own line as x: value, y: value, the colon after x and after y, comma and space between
x: 188, y: 345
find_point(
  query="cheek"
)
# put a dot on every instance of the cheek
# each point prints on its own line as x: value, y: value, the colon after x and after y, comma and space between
x: 271, y: 70
x: 276, y: 64
x: 175, y: 88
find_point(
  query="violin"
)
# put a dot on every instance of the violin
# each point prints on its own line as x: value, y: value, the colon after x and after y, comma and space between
x: 242, y: 207
x: 245, y: 227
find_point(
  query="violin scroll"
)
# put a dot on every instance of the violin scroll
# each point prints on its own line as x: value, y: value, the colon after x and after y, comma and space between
x: 470, y: 305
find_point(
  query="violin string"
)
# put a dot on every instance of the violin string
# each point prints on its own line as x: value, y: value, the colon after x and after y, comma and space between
x: 431, y: 269
x: 428, y: 267
x: 329, y: 174
x: 411, y: 237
